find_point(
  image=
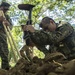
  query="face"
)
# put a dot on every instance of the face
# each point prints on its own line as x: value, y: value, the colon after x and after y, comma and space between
x: 45, y: 27
x: 49, y: 27
x: 5, y: 9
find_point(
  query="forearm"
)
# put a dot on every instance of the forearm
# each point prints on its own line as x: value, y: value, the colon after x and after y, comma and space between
x: 39, y: 38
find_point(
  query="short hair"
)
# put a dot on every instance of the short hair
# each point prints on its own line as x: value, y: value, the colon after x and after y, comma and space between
x: 5, y: 4
x: 45, y: 21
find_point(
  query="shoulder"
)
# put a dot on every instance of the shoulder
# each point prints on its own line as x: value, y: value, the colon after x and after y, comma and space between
x: 65, y: 25
x: 62, y: 23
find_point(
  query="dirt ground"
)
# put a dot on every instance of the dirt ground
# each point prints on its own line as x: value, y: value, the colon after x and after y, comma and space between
x: 52, y: 64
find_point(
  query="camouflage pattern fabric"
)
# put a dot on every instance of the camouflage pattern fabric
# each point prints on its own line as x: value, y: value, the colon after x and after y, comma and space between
x: 4, y: 51
x: 3, y: 44
x: 62, y: 38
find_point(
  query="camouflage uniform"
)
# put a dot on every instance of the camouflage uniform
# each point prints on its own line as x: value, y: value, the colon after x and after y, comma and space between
x: 3, y: 45
x: 62, y: 40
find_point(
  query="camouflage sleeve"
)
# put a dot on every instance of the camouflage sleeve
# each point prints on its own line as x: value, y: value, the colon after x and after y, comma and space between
x: 39, y: 38
x: 45, y: 38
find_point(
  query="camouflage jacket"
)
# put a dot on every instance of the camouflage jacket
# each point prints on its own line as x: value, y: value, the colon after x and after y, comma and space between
x: 63, y: 39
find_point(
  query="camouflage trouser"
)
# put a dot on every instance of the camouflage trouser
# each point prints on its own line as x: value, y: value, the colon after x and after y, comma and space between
x: 4, y: 51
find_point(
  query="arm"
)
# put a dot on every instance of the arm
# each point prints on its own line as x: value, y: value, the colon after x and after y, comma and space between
x: 51, y: 37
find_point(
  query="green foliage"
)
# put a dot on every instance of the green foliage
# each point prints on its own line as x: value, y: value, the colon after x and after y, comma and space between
x: 38, y: 53
x: 17, y: 35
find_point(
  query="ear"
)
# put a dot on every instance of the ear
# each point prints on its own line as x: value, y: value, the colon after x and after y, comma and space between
x: 51, y: 21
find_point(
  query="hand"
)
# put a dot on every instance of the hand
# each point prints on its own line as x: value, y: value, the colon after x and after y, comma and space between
x: 29, y: 28
x: 5, y: 22
x: 23, y: 27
